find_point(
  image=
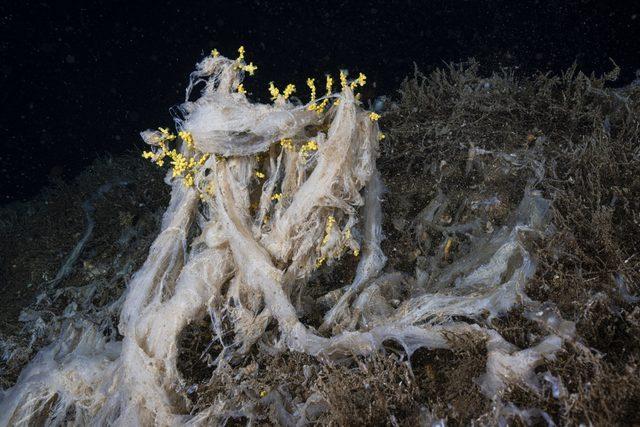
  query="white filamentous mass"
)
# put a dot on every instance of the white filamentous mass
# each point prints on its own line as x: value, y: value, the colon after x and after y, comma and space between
x: 259, y: 242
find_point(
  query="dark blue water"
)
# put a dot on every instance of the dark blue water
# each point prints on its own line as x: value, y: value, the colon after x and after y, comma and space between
x: 80, y: 79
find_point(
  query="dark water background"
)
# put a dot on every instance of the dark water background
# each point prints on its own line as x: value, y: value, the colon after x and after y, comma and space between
x: 79, y: 79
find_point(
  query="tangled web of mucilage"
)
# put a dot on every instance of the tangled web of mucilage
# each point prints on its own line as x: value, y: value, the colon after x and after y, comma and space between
x: 277, y: 191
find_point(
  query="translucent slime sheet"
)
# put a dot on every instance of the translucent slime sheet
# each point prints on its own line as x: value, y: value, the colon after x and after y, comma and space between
x: 260, y: 241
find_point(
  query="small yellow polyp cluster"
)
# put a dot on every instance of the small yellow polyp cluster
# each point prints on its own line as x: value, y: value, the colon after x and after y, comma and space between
x: 187, y: 138
x: 312, y: 86
x: 275, y: 92
x: 360, y: 81
x: 288, y: 91
x: 327, y: 229
x: 343, y: 79
x: 182, y: 166
x: 331, y: 249
x: 309, y: 146
x: 250, y: 68
x: 305, y: 149
x: 347, y: 236
x: 319, y: 108
x: 287, y: 143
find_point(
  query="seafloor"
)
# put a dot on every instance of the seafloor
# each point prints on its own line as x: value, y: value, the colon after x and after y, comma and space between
x: 452, y: 133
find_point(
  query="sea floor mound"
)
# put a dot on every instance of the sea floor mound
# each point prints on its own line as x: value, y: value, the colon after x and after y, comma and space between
x: 511, y: 221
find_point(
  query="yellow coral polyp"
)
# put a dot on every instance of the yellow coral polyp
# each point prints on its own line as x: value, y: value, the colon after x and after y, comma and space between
x: 166, y: 135
x: 374, y: 116
x: 360, y: 81
x: 241, y: 89
x: 187, y: 138
x: 329, y: 84
x: 287, y: 143
x: 179, y: 163
x: 260, y: 174
x: 276, y: 197
x: 215, y: 53
x: 250, y: 68
x: 319, y: 108
x: 203, y: 159
x: 288, y: 91
x: 343, y: 79
x: 274, y: 91
x: 311, y: 84
x: 309, y: 146
x: 327, y: 229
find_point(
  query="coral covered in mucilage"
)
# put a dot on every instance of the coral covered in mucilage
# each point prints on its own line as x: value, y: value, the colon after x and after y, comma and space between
x: 270, y: 295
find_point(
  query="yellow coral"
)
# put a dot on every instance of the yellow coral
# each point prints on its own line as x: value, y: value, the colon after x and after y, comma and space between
x: 374, y: 116
x: 203, y: 159
x: 166, y: 135
x: 288, y: 91
x: 343, y: 79
x: 179, y: 163
x: 287, y: 143
x: 309, y: 146
x: 250, y: 68
x: 329, y: 84
x: 187, y: 138
x: 312, y: 86
x: 187, y: 167
x: 274, y: 91
x: 327, y: 229
x: 360, y: 81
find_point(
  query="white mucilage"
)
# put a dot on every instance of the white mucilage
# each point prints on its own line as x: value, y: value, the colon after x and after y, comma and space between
x: 260, y: 240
